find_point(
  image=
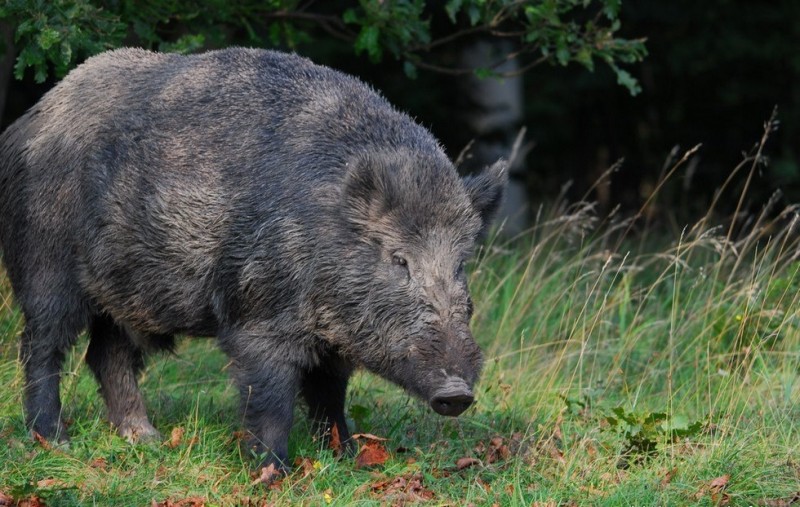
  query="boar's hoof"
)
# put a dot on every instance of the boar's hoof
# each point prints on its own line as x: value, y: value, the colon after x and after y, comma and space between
x: 451, y: 403
x: 138, y: 432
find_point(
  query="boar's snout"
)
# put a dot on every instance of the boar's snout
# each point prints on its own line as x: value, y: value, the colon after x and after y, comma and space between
x: 452, y: 399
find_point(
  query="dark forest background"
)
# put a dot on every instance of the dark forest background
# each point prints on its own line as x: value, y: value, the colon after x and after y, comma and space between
x: 713, y: 73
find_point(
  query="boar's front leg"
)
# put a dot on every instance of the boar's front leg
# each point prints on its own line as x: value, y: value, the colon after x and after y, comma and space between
x: 324, y: 388
x: 268, y: 379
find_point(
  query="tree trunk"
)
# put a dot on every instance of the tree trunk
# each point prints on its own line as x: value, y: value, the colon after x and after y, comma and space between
x: 493, y: 111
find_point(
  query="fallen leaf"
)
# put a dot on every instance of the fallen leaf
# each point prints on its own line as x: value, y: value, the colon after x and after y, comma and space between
x: 372, y: 453
x: 335, y: 441
x: 498, y: 450
x: 51, y: 483
x: 369, y: 436
x: 175, y: 437
x: 270, y: 475
x: 194, y: 501
x: 240, y: 436
x: 591, y: 490
x: 306, y: 465
x: 6, y: 500
x: 555, y: 453
x: 32, y: 501
x: 99, y: 463
x: 771, y: 502
x: 328, y: 495
x: 716, y: 489
x: 668, y: 477
x: 463, y: 463
x: 42, y: 441
x: 403, y: 489
x: 719, y: 483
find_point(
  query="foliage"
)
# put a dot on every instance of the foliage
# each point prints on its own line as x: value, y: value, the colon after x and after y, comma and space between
x: 643, y: 431
x: 59, y: 32
x: 418, y: 33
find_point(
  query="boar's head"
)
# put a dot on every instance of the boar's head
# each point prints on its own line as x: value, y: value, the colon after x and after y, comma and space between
x: 410, y: 225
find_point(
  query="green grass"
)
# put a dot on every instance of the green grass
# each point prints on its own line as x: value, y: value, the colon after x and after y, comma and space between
x: 618, y: 372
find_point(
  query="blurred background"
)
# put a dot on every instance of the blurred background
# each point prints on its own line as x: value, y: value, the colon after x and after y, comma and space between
x: 592, y: 81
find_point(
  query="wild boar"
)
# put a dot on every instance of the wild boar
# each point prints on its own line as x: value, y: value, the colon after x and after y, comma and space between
x: 281, y: 206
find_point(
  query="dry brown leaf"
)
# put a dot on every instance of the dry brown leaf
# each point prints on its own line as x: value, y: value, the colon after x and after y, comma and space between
x: 269, y: 475
x: 42, y: 441
x: 555, y: 453
x: 99, y: 463
x: 335, y: 442
x: 719, y: 483
x: 715, y: 488
x: 591, y: 490
x: 193, y: 501
x: 668, y: 477
x: 31, y: 501
x: 463, y: 463
x: 402, y: 489
x: 176, y: 437
x: 372, y: 453
x: 6, y: 500
x: 51, y: 483
x: 498, y: 450
x: 771, y: 502
x: 369, y: 436
x: 304, y: 464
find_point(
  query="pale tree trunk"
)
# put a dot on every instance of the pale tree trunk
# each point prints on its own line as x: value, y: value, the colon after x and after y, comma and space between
x: 493, y: 112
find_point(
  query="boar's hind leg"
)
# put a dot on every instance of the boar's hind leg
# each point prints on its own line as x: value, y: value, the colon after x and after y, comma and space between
x: 42, y: 350
x: 324, y: 388
x: 116, y: 361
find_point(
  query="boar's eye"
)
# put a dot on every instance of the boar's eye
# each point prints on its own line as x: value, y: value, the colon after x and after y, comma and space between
x: 460, y: 269
x: 399, y: 260
x: 401, y: 264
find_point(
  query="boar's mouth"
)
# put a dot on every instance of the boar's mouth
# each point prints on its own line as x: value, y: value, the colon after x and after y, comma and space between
x: 453, y: 398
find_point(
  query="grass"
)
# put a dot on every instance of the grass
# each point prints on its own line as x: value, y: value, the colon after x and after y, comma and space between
x: 620, y: 371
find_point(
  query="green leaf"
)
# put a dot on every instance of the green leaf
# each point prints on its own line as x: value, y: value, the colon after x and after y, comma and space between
x: 611, y: 8
x: 625, y: 79
x: 185, y: 44
x: 562, y: 54
x: 474, y: 14
x: 452, y: 7
x: 410, y: 70
x: 368, y: 40
x: 584, y: 57
x: 350, y: 16
x: 48, y: 38
x: 482, y: 73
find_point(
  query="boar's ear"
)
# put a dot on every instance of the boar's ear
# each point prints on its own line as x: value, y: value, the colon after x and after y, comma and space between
x: 367, y: 192
x: 486, y: 189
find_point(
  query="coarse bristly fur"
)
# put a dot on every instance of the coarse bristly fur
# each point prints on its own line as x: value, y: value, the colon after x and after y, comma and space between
x: 279, y: 205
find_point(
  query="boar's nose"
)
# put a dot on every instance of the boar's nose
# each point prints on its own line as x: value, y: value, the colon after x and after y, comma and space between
x: 452, y: 399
